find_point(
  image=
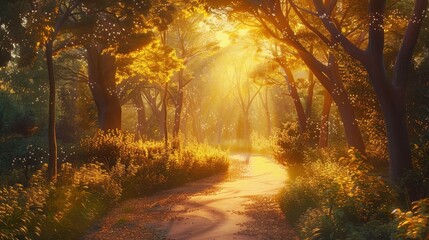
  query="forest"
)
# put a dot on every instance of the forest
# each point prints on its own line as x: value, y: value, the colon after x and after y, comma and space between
x: 133, y: 117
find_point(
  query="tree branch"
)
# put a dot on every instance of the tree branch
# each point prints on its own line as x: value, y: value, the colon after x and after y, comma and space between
x: 405, y: 54
x: 336, y: 33
x: 308, y: 25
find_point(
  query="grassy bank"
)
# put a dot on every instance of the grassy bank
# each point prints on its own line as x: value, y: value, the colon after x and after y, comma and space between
x: 341, y: 196
x: 112, y: 167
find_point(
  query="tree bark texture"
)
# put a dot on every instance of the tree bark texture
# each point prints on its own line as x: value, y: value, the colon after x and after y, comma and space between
x: 53, y: 155
x: 394, y: 114
x: 101, y: 74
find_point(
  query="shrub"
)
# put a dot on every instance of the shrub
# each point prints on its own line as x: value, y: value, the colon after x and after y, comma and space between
x: 78, y: 198
x: 297, y: 198
x: 109, y: 147
x: 24, y: 124
x: 64, y: 209
x: 261, y: 144
x: 32, y: 158
x: 290, y: 144
x: 413, y: 224
x: 18, y: 220
x: 21, y: 209
x: 418, y: 179
x: 162, y: 170
x: 340, y: 200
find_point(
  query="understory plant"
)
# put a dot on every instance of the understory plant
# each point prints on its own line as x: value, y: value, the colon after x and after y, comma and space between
x: 339, y: 199
x: 412, y: 224
x: 289, y: 145
x: 66, y: 208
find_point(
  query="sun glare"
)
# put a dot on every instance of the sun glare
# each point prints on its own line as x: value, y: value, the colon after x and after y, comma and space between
x: 223, y: 38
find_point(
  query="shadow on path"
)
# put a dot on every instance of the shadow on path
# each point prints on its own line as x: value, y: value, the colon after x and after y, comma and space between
x: 239, y: 205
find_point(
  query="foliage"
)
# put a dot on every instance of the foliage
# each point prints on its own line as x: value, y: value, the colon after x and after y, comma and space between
x: 24, y: 124
x: 19, y: 153
x: 413, y: 224
x: 367, y: 109
x: 109, y: 147
x: 65, y: 208
x: 18, y: 86
x: 290, y: 144
x: 261, y: 144
x: 339, y: 200
x: 146, y: 63
x: 297, y: 198
x: 78, y: 113
x: 419, y: 177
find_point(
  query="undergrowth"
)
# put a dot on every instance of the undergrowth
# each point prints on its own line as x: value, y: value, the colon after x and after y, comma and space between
x: 345, y: 198
x: 115, y: 168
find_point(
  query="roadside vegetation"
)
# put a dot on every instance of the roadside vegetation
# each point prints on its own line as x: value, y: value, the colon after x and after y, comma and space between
x: 109, y: 167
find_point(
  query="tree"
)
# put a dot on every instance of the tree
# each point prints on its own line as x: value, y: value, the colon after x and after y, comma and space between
x: 277, y: 19
x: 58, y: 25
x: 41, y: 28
x: 186, y: 35
x: 389, y: 89
x: 150, y: 67
x: 55, y: 18
x: 245, y: 91
x: 131, y: 31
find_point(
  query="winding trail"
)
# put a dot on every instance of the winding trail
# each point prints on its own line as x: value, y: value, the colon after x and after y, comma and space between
x: 239, y: 205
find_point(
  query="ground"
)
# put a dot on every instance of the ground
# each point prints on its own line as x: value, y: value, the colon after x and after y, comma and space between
x: 238, y: 205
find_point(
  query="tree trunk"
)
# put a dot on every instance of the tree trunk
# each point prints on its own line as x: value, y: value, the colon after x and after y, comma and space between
x: 310, y: 94
x: 391, y: 92
x: 331, y: 80
x: 196, y: 127
x: 345, y: 108
x: 157, y: 109
x: 324, y: 121
x: 141, y: 116
x: 393, y: 109
x: 267, y: 114
x: 179, y: 106
x: 398, y: 141
x: 290, y: 80
x: 164, y: 106
x: 351, y: 128
x: 101, y: 74
x: 265, y: 104
x: 53, y: 158
x: 246, y: 131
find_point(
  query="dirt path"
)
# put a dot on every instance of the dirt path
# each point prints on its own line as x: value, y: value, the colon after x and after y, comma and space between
x: 240, y: 205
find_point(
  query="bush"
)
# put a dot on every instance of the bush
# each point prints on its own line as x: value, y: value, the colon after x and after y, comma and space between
x: 418, y: 179
x: 19, y: 218
x: 25, y: 124
x: 65, y: 209
x: 162, y: 170
x: 261, y: 144
x: 110, y: 147
x: 413, y: 224
x: 290, y: 144
x: 339, y: 200
x: 295, y: 199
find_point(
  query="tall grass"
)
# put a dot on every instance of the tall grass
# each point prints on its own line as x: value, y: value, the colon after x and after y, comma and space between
x: 115, y: 167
